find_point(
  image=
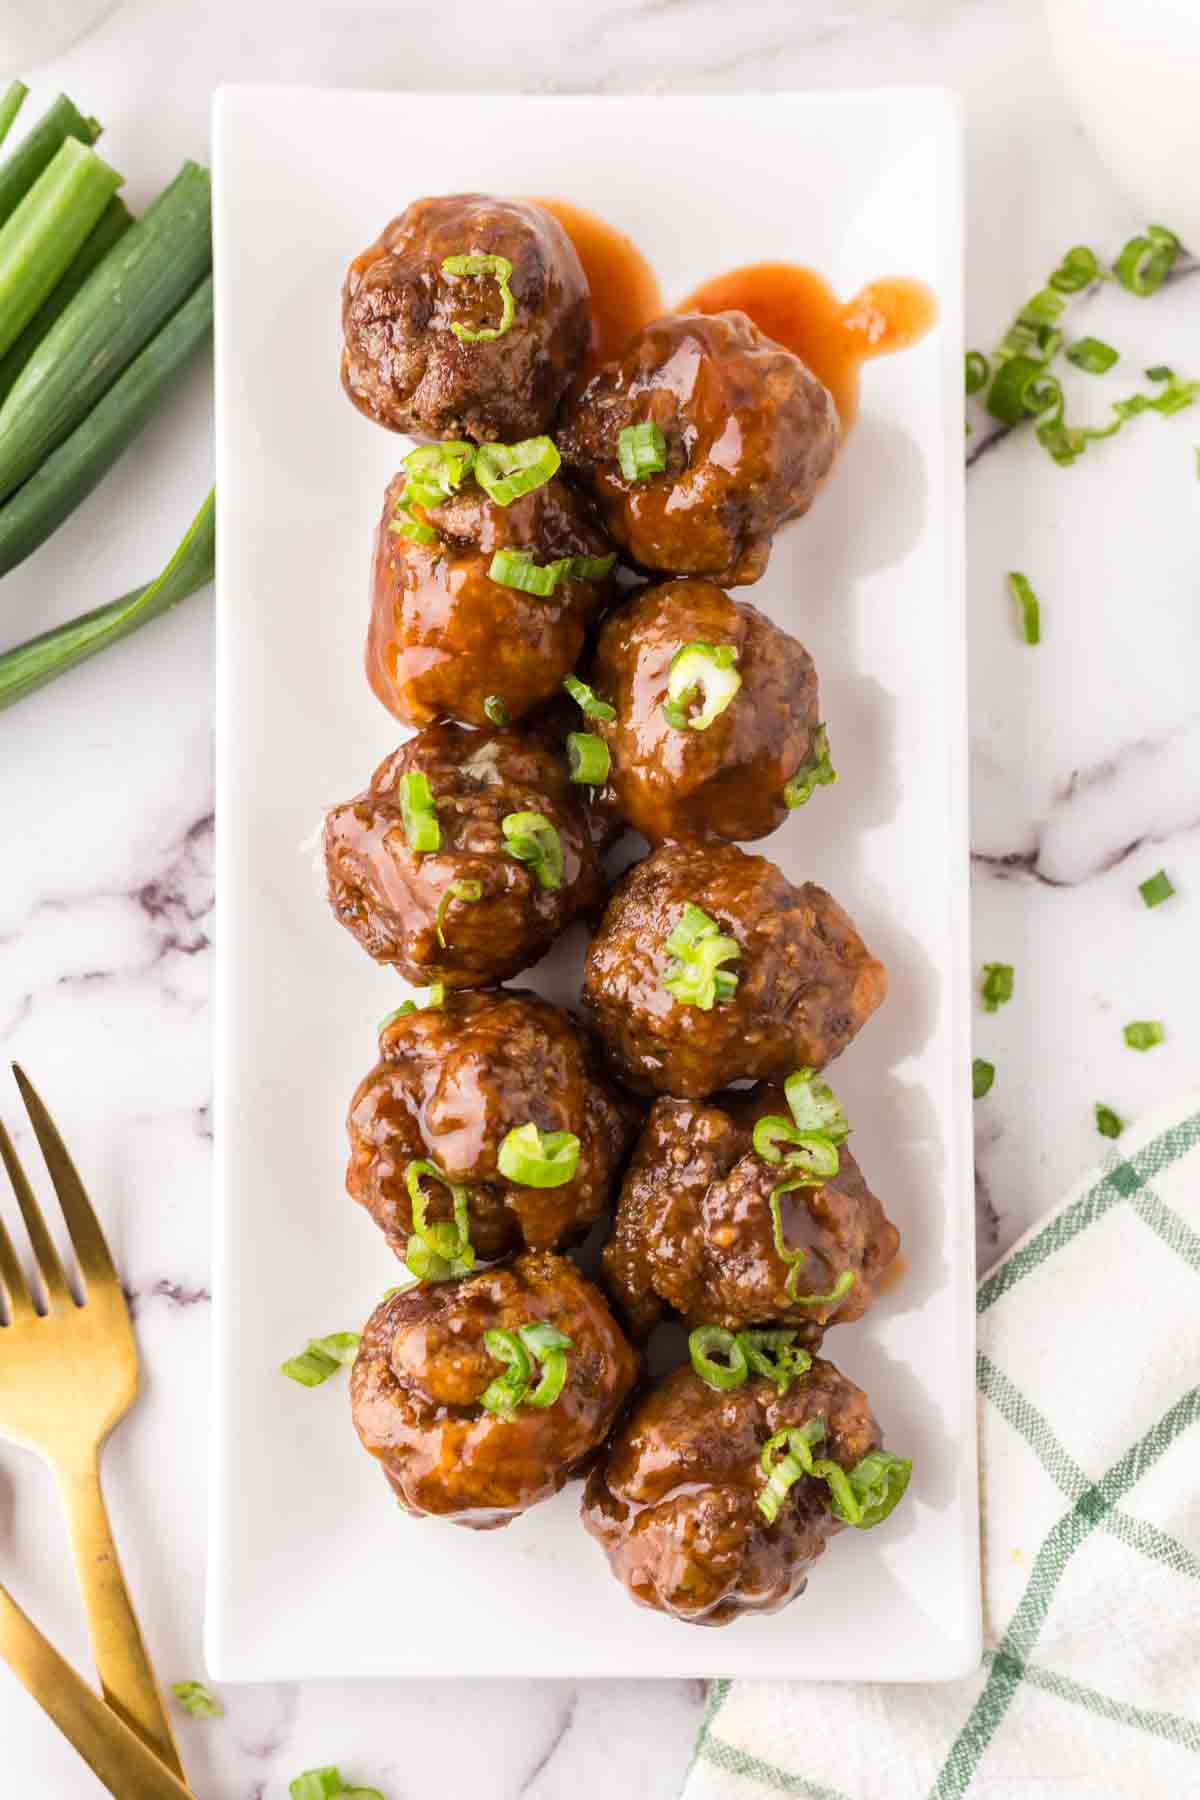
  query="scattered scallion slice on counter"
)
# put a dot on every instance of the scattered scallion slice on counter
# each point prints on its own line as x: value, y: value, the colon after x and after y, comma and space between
x: 588, y: 699
x: 496, y: 709
x: 432, y: 1000
x: 1144, y: 1034
x: 323, y: 1358
x: 326, y: 1784
x: 472, y: 268
x: 417, y: 809
x: 997, y: 985
x: 704, y: 675
x: 196, y: 1700
x: 1029, y: 605
x: 31, y: 665
x: 1077, y: 270
x: 1156, y: 888
x: 532, y: 839
x: 976, y: 371
x: 816, y: 771
x: 466, y: 893
x: 438, y: 1249
x: 1145, y: 262
x: 699, y: 948
x: 539, y: 1159
x: 641, y: 451
x: 588, y: 758
x: 1108, y: 1123
x: 983, y: 1074
x: 1092, y: 355
x: 506, y: 471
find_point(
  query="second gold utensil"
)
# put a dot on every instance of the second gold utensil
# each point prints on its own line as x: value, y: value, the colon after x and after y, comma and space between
x: 66, y: 1378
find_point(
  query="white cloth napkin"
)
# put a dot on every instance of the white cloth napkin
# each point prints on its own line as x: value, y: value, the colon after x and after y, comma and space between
x: 1089, y: 1407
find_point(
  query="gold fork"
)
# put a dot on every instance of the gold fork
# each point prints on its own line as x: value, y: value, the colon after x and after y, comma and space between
x: 66, y: 1377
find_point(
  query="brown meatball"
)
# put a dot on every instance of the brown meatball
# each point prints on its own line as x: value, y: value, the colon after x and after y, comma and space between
x: 728, y: 779
x: 423, y: 1364
x: 750, y: 436
x: 445, y: 638
x: 395, y: 899
x: 403, y: 364
x: 673, y: 1502
x: 806, y: 982
x: 694, y: 1230
x: 449, y: 1086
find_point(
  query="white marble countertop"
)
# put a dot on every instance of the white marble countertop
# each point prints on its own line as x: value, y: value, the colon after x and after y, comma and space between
x: 1085, y: 764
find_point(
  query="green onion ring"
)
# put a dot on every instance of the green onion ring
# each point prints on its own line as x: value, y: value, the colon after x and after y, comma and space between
x: 506, y: 471
x: 438, y: 1250
x: 814, y: 1106
x: 506, y: 1392
x: 588, y: 758
x: 641, y: 451
x: 815, y: 771
x: 421, y: 828
x: 473, y: 267
x: 721, y: 1375
x: 1146, y: 261
x: 775, y: 1355
x: 406, y: 524
x: 466, y: 893
x: 432, y: 1000
x: 705, y: 673
x: 532, y: 839
x: 517, y: 569
x: 977, y: 371
x: 586, y: 697
x: 496, y: 709
x: 538, y: 1159
x: 694, y: 976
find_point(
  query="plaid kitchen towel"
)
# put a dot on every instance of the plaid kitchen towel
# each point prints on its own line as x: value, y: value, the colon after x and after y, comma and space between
x: 1089, y: 1433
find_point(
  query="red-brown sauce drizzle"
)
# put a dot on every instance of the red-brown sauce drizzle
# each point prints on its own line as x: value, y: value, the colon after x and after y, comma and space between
x: 625, y: 290
x: 800, y: 310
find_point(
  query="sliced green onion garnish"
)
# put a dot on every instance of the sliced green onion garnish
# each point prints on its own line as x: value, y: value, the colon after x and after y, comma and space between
x: 550, y: 1346
x: 517, y: 569
x: 496, y: 708
x: 976, y: 371
x: 472, y: 267
x: 587, y: 698
x: 323, y: 1358
x: 702, y: 673
x: 1031, y: 611
x: 809, y: 1153
x: 717, y: 1357
x: 506, y: 471
x: 1156, y: 888
x: 1108, y: 1123
x: 1092, y: 354
x: 1143, y: 1034
x: 196, y: 1700
x: 588, y: 758
x: 794, y: 1259
x: 814, y: 1106
x: 506, y: 1392
x: 405, y: 523
x: 775, y: 1355
x: 837, y: 1292
x: 1145, y: 261
x: 532, y: 839
x: 983, y: 1074
x: 996, y: 986
x: 466, y: 892
x: 433, y: 998
x: 641, y: 451
x: 421, y: 828
x: 437, y: 1250
x: 539, y: 1159
x: 817, y: 771
x: 694, y: 975
x: 797, y: 1460
x: 864, y: 1495
x: 436, y: 471
x: 1077, y: 269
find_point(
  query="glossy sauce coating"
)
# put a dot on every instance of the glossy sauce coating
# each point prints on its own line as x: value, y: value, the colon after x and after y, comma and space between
x: 694, y: 1230
x: 423, y: 1364
x: 727, y: 780
x: 449, y: 1086
x: 444, y: 637
x: 403, y: 365
x: 390, y: 896
x: 806, y: 982
x: 750, y: 436
x: 673, y: 1504
x: 797, y: 308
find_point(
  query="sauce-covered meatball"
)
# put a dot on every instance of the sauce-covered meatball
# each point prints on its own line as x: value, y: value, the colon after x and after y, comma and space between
x: 675, y: 1503
x: 748, y: 433
x: 446, y: 640
x: 451, y: 1087
x: 477, y: 1438
x: 717, y: 729
x: 696, y: 1227
x: 482, y: 348
x: 479, y: 902
x: 710, y: 967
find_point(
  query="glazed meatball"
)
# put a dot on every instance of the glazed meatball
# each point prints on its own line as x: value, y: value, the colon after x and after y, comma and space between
x: 445, y: 640
x: 451, y: 1083
x: 750, y: 434
x: 674, y: 1502
x: 728, y: 777
x: 469, y: 912
x: 424, y: 1365
x: 695, y: 1232
x: 428, y: 351
x: 788, y: 987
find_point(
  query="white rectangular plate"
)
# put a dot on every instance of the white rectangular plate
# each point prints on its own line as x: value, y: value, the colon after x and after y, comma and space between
x: 313, y: 1570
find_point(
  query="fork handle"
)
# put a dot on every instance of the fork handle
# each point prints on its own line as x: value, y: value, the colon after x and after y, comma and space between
x: 120, y: 1760
x: 122, y: 1661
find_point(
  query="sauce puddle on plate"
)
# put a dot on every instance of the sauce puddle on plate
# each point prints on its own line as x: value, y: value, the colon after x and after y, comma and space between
x: 625, y: 290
